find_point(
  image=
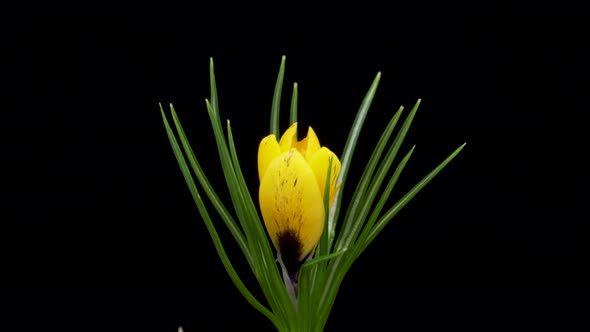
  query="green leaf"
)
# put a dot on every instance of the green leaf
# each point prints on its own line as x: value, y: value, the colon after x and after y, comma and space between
x: 217, y: 204
x: 348, y: 152
x: 407, y: 197
x: 229, y: 174
x: 293, y: 113
x: 351, y: 218
x: 276, y: 101
x: 268, y: 276
x: 213, y: 86
x: 359, y: 244
x: 271, y: 282
x: 324, y: 246
x: 307, y: 290
x: 328, y: 290
x: 324, y: 258
x: 211, y: 229
x: 358, y: 213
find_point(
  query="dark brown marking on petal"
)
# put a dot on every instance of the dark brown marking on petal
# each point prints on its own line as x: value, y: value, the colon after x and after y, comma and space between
x: 290, y: 248
x: 300, y: 221
x: 277, y: 223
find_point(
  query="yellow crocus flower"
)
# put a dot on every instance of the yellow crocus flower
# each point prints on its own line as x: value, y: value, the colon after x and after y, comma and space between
x: 292, y: 184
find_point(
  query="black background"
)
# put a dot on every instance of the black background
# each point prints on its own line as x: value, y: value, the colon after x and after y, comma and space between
x: 99, y: 232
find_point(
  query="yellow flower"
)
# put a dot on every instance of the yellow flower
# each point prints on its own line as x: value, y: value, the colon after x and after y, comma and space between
x: 292, y: 185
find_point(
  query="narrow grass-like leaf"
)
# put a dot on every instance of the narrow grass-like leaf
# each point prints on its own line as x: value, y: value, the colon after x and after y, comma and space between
x: 365, y: 180
x: 324, y: 247
x: 317, y: 275
x: 382, y: 200
x: 276, y: 101
x: 209, y: 224
x: 305, y: 310
x: 270, y: 279
x: 407, y: 197
x: 330, y: 290
x: 345, y: 165
x: 244, y: 216
x: 217, y: 204
x: 321, y: 259
x: 293, y: 113
x: 243, y: 205
x: 359, y: 214
x: 230, y: 176
x: 213, y: 87
x: 348, y: 153
x: 256, y: 234
x: 258, y: 231
x: 227, y: 167
x: 307, y: 289
x: 336, y: 271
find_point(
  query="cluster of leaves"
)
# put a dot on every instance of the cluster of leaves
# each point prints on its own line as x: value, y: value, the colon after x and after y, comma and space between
x: 321, y: 276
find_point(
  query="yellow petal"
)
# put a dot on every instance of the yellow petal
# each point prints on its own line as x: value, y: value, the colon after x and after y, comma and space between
x: 309, y: 145
x: 291, y: 202
x: 268, y: 150
x: 301, y: 146
x: 289, y: 138
x: 319, y: 162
